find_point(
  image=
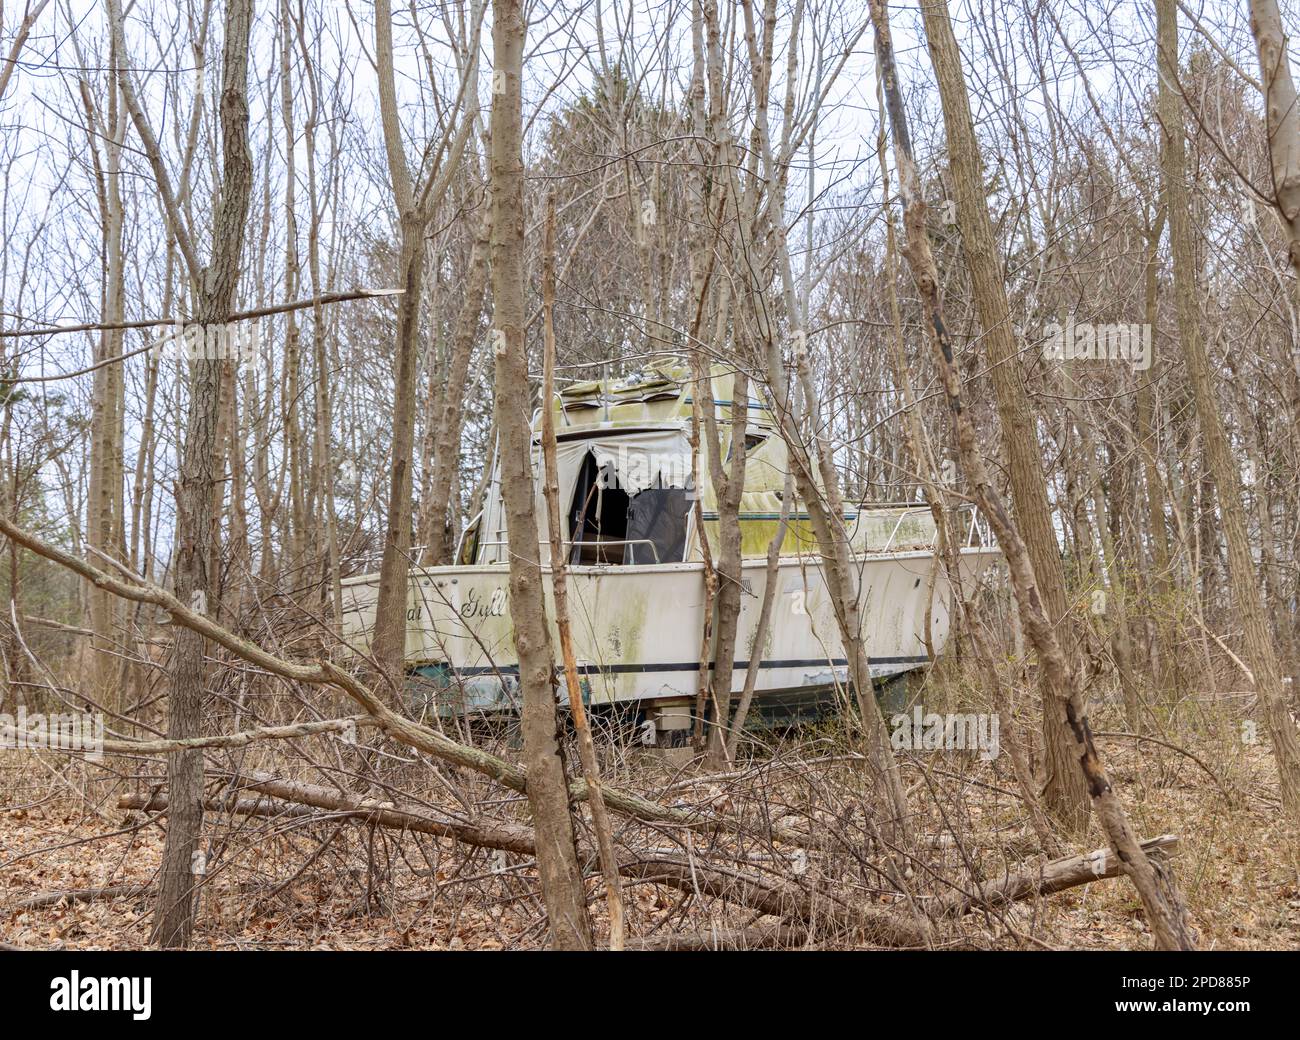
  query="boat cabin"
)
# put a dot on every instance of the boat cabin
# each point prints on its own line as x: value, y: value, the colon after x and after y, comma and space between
x: 626, y: 480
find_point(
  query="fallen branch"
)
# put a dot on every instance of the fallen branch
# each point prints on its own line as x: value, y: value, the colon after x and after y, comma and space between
x: 780, y: 936
x: 1052, y: 877
x: 157, y: 803
x: 804, y: 905
x: 151, y: 323
x: 219, y: 740
x: 76, y: 895
x: 495, y: 835
x: 413, y: 734
x: 1245, y: 669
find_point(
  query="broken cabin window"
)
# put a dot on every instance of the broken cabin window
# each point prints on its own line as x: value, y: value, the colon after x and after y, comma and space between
x: 657, y: 516
x: 598, y: 516
x: 608, y: 525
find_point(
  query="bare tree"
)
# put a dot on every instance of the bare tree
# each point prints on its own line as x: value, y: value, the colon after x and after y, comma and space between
x: 197, y: 536
x: 416, y: 198
x: 557, y: 859
x: 1064, y: 790
x: 1156, y: 886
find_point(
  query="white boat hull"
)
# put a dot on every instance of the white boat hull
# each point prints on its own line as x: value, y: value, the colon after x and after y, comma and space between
x: 637, y: 629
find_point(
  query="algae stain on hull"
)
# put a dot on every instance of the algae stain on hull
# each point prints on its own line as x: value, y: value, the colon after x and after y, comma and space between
x: 637, y: 629
x: 625, y: 635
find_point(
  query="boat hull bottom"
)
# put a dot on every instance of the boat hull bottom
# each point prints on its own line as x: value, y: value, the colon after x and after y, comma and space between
x: 818, y: 692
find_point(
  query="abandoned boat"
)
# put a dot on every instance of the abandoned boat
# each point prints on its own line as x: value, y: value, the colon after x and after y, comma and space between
x: 636, y: 570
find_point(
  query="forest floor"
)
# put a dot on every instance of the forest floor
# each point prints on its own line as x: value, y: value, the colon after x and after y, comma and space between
x: 328, y: 882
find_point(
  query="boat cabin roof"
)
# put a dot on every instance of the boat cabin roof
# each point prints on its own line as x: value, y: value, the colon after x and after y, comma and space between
x: 660, y: 393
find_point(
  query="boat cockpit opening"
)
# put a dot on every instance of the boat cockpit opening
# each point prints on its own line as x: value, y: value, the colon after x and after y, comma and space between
x: 609, y: 526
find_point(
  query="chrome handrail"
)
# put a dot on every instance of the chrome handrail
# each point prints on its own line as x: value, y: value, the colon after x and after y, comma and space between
x: 971, y: 529
x: 619, y: 541
x: 612, y: 541
x: 899, y: 523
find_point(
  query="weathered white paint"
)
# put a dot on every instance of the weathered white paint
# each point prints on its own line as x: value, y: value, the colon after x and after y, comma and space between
x: 637, y: 628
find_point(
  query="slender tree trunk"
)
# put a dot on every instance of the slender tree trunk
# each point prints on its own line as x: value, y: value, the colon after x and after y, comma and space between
x: 728, y: 483
x: 1064, y: 792
x: 416, y: 202
x: 1160, y: 587
x: 1284, y: 147
x: 1155, y: 884
x: 560, y: 585
x: 548, y: 795
x: 1282, y: 111
x: 723, y: 589
x: 295, y: 463
x: 701, y: 271
x: 446, y: 445
x: 771, y: 575
x: 197, y: 530
x: 389, y: 645
x: 322, y: 468
x: 104, y: 515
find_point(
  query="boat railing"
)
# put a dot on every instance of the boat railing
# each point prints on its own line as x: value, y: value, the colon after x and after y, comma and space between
x: 364, y: 564
x: 978, y: 534
x: 972, y: 528
x: 602, y: 543
x: 899, y: 523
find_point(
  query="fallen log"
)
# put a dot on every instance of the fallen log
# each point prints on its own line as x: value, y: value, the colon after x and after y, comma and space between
x: 75, y: 895
x: 768, y: 937
x: 300, y: 797
x: 1054, y: 876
